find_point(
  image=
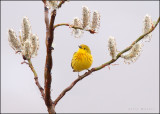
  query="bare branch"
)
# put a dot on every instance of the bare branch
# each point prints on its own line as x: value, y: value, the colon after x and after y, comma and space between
x: 62, y: 24
x: 51, y: 108
x: 36, y: 79
x: 48, y: 64
x: 71, y: 26
x: 101, y: 66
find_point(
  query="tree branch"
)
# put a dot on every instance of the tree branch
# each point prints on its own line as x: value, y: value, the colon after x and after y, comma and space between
x: 71, y: 26
x: 44, y: 1
x: 48, y: 63
x: 36, y: 78
x: 61, y: 2
x: 62, y: 24
x: 46, y: 10
x: 101, y: 66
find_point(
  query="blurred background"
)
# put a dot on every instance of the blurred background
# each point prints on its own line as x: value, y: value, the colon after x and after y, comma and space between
x: 124, y: 88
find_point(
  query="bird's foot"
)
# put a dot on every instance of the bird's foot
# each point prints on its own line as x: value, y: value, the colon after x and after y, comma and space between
x: 80, y: 77
x: 88, y: 70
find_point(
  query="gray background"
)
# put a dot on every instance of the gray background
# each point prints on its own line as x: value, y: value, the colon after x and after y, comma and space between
x: 124, y: 88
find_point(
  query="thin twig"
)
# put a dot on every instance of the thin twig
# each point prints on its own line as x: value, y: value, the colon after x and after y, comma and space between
x: 101, y: 66
x: 71, y: 26
x: 36, y: 79
x: 62, y: 24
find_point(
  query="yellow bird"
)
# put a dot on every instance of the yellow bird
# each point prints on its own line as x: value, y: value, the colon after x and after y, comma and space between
x: 82, y: 59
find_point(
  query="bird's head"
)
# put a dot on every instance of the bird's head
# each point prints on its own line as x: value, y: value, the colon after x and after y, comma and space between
x: 84, y: 48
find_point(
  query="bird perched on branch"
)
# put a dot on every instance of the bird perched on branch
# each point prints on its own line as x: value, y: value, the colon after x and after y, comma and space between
x: 82, y: 59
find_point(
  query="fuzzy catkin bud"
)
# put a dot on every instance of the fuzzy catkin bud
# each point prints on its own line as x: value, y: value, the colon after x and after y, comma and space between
x: 133, y: 54
x: 95, y: 21
x: 147, y: 25
x: 52, y: 4
x: 26, y: 29
x: 20, y: 37
x: 13, y: 41
x: 85, y: 16
x: 34, y: 45
x: 27, y: 50
x: 77, y: 23
x: 112, y: 47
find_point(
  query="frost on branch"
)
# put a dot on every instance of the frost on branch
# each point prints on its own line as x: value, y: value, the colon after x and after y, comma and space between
x: 26, y: 29
x: 13, y: 41
x: 85, y: 17
x: 133, y: 54
x: 147, y: 25
x: 112, y: 47
x: 77, y: 23
x: 95, y: 21
x: 29, y: 43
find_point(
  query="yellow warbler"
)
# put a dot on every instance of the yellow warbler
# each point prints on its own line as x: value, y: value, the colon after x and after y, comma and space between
x: 82, y: 59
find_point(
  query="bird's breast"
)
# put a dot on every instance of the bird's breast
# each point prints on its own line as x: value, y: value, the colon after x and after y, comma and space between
x: 82, y: 61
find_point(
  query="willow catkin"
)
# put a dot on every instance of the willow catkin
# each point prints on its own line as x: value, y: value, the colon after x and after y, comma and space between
x: 133, y: 54
x: 85, y: 16
x: 34, y: 45
x: 26, y: 29
x: 95, y: 21
x: 77, y: 23
x: 147, y: 25
x: 112, y: 47
x: 13, y: 41
x: 27, y: 49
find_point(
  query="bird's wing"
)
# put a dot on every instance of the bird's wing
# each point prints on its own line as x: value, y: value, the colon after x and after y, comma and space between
x: 72, y: 61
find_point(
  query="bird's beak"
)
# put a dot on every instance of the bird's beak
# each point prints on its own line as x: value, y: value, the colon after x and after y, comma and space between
x: 80, y: 46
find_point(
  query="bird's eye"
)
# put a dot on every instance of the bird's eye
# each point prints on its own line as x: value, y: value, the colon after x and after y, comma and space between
x: 84, y: 48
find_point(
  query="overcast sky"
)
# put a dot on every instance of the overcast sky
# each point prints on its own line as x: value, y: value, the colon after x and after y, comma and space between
x: 123, y: 88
